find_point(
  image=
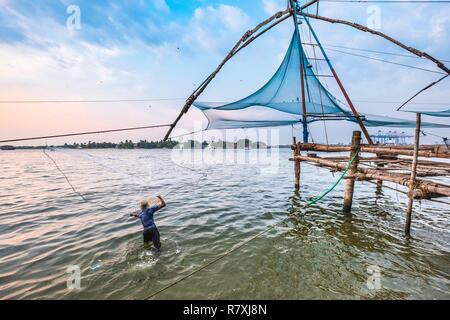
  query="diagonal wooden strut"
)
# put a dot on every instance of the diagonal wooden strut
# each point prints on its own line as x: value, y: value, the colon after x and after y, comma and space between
x: 279, y: 17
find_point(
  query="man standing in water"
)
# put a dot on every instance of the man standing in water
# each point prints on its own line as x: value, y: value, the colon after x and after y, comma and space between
x: 151, y: 233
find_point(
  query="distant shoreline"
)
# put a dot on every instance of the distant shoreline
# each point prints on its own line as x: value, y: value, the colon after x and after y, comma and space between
x: 57, y: 147
x: 144, y: 144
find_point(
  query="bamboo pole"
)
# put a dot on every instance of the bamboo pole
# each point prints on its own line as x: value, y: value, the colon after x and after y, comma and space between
x: 414, y: 51
x: 425, y: 188
x: 245, y: 40
x: 380, y: 182
x: 304, y: 118
x: 208, y: 80
x: 392, y: 151
x: 412, y: 181
x: 350, y: 181
x: 432, y: 148
x: 338, y: 80
x: 302, y: 75
x: 374, y: 149
x: 296, y: 152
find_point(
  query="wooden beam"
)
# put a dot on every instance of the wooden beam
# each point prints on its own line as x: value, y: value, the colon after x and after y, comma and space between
x: 426, y: 187
x: 208, y: 80
x: 374, y: 149
x: 245, y: 40
x: 414, y: 51
x: 338, y: 80
x: 412, y: 181
x: 297, y: 168
x: 349, y: 187
x: 293, y: 4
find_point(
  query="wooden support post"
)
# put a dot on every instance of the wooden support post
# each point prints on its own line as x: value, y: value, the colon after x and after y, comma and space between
x: 412, y: 180
x: 350, y: 181
x: 296, y: 152
x: 380, y: 182
x: 426, y: 188
x: 299, y: 168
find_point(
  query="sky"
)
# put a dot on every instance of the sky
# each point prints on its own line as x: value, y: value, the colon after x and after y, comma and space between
x: 162, y: 49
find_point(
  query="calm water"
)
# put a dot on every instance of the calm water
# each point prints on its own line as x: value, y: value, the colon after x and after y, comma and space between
x: 316, y: 254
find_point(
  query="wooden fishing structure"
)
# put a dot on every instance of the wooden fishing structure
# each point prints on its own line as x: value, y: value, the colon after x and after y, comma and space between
x: 402, y: 165
x: 399, y: 164
x: 295, y: 10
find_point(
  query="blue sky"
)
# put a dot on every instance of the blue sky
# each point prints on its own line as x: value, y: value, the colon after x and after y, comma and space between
x: 163, y: 48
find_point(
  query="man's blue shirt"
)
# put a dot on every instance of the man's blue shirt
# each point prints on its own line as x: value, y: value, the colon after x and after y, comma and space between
x: 146, y: 217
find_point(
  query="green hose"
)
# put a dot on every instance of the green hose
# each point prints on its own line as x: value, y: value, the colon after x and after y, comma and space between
x: 318, y: 198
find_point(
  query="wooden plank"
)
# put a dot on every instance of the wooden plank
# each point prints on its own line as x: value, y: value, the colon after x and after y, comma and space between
x: 426, y: 187
x: 374, y: 149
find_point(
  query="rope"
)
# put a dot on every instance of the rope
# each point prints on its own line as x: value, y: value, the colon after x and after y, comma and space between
x: 444, y: 139
x: 204, y: 175
x: 84, y: 101
x: 386, y: 61
x: 406, y: 193
x: 95, y: 159
x: 320, y: 85
x: 85, y: 199
x: 217, y: 259
x: 186, y: 134
x: 369, y: 50
x: 378, y: 52
x: 239, y: 246
x: 422, y: 90
x: 69, y: 182
x: 323, y: 195
x: 392, y: 102
x: 86, y: 133
x: 426, y: 133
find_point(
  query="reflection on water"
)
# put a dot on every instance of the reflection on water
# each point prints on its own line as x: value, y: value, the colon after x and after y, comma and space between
x: 316, y: 254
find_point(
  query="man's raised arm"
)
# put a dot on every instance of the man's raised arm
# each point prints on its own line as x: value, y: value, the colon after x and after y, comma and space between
x: 162, y: 202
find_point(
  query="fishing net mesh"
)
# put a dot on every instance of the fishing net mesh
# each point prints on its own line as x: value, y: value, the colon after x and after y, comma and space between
x: 279, y: 101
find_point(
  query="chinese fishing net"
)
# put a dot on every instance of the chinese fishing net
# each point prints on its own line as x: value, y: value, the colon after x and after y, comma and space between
x: 279, y: 101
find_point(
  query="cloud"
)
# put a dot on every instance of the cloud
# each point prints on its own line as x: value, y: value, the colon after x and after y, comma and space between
x: 231, y: 17
x: 438, y: 35
x: 215, y: 28
x: 126, y: 50
x: 272, y: 6
x: 162, y: 6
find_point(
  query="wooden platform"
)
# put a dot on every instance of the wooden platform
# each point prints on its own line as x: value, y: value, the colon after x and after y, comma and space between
x: 403, y: 165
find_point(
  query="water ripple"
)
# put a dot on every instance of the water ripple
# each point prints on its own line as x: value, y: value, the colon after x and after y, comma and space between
x: 317, y: 254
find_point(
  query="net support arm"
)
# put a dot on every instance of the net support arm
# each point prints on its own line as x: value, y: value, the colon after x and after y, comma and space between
x: 412, y: 50
x: 208, y: 80
x: 245, y: 40
x: 424, y: 89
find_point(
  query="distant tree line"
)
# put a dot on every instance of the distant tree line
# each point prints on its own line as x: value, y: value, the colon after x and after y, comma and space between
x: 144, y: 144
x: 127, y: 144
